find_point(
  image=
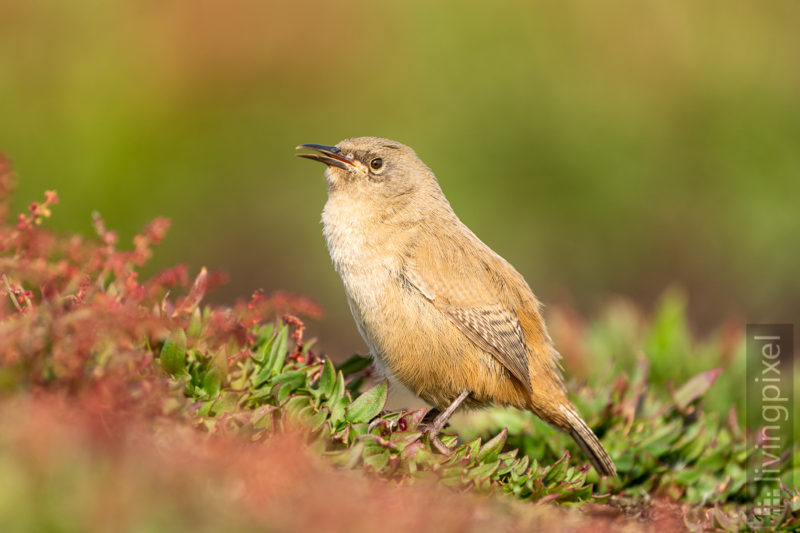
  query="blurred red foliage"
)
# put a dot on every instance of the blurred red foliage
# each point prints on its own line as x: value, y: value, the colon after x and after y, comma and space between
x: 167, y: 470
x: 75, y: 310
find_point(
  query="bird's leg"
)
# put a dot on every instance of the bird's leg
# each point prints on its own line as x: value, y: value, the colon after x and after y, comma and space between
x: 440, y: 422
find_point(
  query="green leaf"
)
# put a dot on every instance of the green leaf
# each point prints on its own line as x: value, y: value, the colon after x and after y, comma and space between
x: 227, y: 402
x: 293, y: 379
x: 472, y: 447
x: 284, y: 391
x: 483, y: 471
x: 264, y: 349
x: 368, y: 405
x: 357, y: 430
x: 557, y: 471
x: 277, y: 355
x: 347, y: 458
x: 521, y: 465
x: 695, y: 447
x: 319, y: 418
x: 265, y: 332
x: 195, y: 328
x: 451, y: 440
x: 402, y: 439
x: 296, y: 404
x: 355, y: 364
x: 328, y: 379
x: 377, y: 461
x: 261, y: 377
x: 451, y: 476
x: 695, y: 387
x: 173, y: 353
x: 212, y: 381
x: 669, y: 337
x: 338, y: 400
x: 492, y: 448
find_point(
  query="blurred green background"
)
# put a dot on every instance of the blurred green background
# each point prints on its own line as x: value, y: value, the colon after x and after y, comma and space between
x: 602, y: 148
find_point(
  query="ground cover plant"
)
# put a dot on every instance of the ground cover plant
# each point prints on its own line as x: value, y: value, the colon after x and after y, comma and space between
x: 130, y: 404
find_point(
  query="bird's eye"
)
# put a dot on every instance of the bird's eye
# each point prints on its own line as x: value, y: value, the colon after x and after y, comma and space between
x: 376, y: 164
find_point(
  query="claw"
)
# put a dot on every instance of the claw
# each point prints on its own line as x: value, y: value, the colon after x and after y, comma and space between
x: 378, y: 420
x: 439, y: 445
x: 441, y: 421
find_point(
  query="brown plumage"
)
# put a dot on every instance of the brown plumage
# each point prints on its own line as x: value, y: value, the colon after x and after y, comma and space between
x: 441, y: 312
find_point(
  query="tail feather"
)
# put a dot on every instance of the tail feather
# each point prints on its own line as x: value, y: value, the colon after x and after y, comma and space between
x: 589, y: 443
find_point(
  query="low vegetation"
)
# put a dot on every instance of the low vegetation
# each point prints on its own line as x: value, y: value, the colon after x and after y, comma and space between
x: 128, y: 403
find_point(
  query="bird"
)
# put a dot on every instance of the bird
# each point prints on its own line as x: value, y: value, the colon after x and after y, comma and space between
x: 440, y: 311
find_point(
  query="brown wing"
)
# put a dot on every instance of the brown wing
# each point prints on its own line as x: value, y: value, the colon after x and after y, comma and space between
x: 463, y: 286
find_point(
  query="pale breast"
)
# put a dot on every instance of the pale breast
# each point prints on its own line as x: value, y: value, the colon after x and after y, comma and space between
x: 365, y: 262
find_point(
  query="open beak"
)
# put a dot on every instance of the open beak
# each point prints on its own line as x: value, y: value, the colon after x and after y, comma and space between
x: 330, y: 155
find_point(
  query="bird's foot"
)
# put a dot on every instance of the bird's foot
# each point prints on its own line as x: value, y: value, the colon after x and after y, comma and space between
x: 438, y: 444
x: 441, y: 421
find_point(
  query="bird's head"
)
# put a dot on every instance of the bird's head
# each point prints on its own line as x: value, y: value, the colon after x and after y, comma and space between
x: 376, y: 171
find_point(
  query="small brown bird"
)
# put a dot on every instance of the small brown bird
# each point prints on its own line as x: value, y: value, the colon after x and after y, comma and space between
x: 440, y: 311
